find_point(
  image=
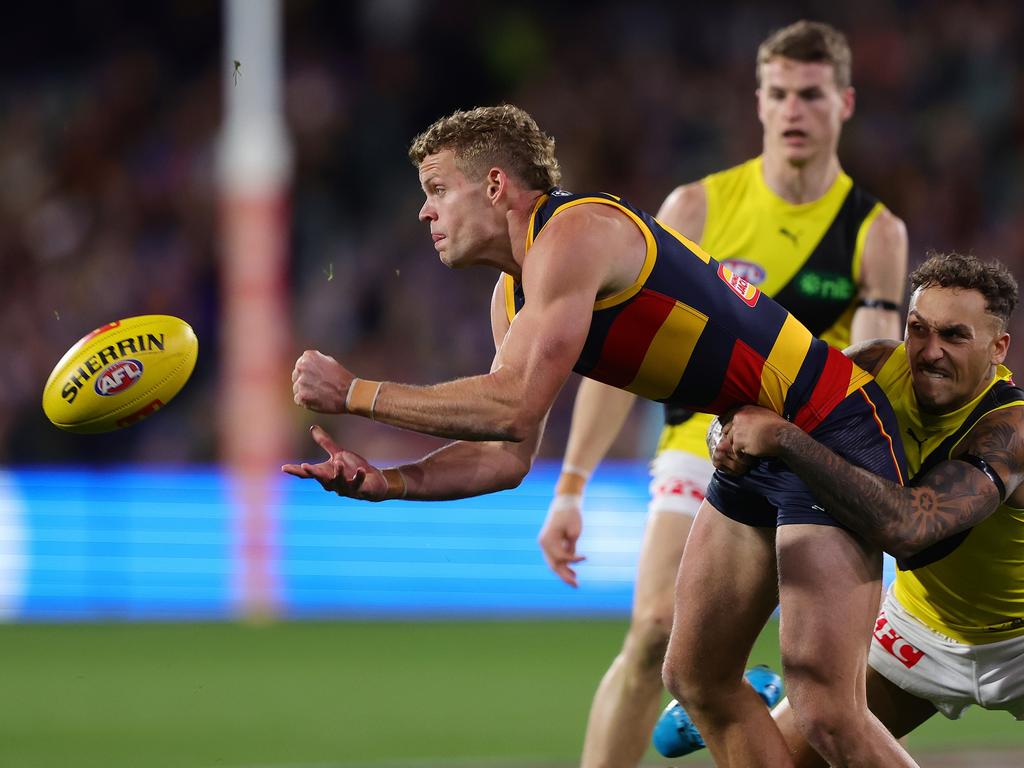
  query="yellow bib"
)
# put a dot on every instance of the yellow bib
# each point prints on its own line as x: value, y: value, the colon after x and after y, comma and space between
x: 975, y: 594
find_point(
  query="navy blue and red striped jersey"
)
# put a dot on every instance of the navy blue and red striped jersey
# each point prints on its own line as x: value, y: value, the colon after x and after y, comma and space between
x: 691, y: 333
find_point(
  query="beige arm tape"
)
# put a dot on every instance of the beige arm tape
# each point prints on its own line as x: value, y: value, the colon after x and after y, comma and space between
x: 362, y: 397
x: 395, y: 478
x: 571, y: 481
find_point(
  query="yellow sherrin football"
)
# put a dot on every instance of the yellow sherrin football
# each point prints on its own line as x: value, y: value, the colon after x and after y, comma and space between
x: 120, y: 374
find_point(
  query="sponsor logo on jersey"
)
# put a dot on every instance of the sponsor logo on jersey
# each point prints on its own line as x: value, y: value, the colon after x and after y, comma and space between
x: 678, y: 486
x: 890, y: 639
x: 117, y: 377
x: 740, y: 286
x: 829, y: 286
x: 748, y: 270
x: 793, y: 237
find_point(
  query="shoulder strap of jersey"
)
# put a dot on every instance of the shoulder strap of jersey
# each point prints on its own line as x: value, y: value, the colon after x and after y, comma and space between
x: 1001, y: 393
x: 835, y: 253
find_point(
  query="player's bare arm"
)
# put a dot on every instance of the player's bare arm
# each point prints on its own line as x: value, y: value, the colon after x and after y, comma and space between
x: 954, y: 496
x: 457, y: 470
x: 599, y: 412
x: 581, y: 253
x: 883, y: 275
x: 556, y: 303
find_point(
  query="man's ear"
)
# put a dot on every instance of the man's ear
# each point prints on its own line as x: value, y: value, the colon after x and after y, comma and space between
x: 1001, y: 347
x: 849, y: 96
x: 496, y: 183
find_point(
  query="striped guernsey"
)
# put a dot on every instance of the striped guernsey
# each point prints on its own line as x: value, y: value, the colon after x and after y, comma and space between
x: 690, y: 332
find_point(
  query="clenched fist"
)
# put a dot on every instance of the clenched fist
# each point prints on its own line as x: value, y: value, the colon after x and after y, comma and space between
x: 320, y: 383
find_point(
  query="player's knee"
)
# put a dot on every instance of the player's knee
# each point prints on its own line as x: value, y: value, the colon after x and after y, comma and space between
x: 826, y: 729
x: 647, y: 641
x: 823, y: 716
x: 674, y: 680
x: 685, y: 679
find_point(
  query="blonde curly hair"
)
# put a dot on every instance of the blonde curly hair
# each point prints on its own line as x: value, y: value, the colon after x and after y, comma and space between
x: 504, y: 136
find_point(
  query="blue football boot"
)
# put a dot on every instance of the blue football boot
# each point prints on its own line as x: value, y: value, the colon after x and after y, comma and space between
x: 675, y: 734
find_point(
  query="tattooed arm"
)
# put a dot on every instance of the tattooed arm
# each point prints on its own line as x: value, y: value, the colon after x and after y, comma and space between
x: 871, y: 355
x: 952, y: 497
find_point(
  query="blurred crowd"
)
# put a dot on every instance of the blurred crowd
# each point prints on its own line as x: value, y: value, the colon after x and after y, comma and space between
x: 109, y: 125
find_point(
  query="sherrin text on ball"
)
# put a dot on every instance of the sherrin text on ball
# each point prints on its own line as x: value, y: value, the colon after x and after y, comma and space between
x: 120, y: 373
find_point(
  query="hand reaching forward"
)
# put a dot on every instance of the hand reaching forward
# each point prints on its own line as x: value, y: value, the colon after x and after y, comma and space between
x: 320, y: 383
x: 345, y: 473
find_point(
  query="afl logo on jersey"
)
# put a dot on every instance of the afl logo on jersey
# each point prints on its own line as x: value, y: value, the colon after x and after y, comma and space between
x: 118, y: 376
x: 748, y: 270
x: 739, y: 285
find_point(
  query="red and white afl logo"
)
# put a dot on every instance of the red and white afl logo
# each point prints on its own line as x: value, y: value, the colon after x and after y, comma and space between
x: 117, y: 377
x: 746, y: 270
x: 739, y: 285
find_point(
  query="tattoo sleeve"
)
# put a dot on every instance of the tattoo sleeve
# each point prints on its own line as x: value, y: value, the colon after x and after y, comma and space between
x: 952, y: 497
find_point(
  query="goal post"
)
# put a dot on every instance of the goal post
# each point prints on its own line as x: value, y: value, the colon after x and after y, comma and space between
x: 254, y: 173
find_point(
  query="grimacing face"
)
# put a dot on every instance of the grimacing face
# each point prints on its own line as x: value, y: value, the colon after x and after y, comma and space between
x: 952, y: 345
x: 801, y: 108
x: 457, y: 209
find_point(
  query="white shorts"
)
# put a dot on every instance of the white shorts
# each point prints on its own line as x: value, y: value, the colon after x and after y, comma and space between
x: 678, y: 482
x: 949, y: 674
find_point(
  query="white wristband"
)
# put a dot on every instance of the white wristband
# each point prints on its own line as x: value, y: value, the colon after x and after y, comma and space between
x: 564, y: 501
x: 574, y: 470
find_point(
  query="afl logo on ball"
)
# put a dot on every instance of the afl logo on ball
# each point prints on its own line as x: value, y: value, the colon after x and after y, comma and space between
x: 117, y: 377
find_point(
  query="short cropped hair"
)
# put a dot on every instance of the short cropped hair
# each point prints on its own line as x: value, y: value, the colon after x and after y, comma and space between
x: 808, y: 41
x: 503, y: 136
x: 955, y: 270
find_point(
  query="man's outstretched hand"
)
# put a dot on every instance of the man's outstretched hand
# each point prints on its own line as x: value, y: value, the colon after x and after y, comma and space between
x: 345, y: 473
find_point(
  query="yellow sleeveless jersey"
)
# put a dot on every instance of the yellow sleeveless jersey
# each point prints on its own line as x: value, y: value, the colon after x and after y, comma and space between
x: 806, y: 256
x: 974, y: 593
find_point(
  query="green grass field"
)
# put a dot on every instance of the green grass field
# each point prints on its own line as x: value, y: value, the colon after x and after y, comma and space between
x: 322, y: 694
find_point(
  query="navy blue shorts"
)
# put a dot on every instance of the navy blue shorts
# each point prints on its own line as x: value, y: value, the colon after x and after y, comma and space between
x: 862, y: 429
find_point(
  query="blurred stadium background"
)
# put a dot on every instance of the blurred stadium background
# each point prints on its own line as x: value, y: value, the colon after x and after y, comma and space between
x: 154, y: 613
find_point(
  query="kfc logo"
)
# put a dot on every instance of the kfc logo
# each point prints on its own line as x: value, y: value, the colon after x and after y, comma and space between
x: 739, y: 285
x: 889, y: 639
x: 679, y: 487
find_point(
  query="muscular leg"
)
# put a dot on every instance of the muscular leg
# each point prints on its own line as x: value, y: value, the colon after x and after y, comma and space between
x: 725, y: 593
x: 899, y: 711
x: 628, y: 699
x: 830, y: 585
